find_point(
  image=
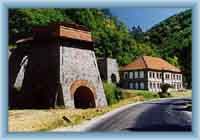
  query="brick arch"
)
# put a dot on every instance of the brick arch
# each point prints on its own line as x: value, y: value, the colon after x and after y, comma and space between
x: 78, y: 83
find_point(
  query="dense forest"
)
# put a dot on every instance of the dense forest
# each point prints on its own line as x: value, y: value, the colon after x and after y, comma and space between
x: 170, y: 39
x: 173, y: 40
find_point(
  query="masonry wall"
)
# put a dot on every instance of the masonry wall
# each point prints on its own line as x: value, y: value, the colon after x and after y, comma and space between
x: 47, y: 75
x: 41, y: 78
x: 16, y: 68
x: 80, y: 65
x: 34, y: 73
x: 102, y: 65
x: 112, y: 69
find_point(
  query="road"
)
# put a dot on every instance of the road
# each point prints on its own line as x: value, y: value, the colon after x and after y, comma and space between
x: 163, y: 115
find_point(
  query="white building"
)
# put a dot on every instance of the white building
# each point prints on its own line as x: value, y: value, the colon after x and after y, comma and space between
x: 148, y: 73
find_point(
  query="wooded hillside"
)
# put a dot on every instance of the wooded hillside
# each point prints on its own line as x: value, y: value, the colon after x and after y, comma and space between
x: 170, y: 39
x: 173, y: 40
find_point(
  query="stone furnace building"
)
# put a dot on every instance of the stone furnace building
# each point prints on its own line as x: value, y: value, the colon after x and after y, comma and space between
x: 148, y: 73
x: 55, y: 67
x: 109, y: 69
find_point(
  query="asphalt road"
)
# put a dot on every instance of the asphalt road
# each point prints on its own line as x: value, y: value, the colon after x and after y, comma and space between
x: 164, y: 115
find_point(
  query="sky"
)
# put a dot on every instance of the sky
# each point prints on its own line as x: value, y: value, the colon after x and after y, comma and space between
x: 145, y: 17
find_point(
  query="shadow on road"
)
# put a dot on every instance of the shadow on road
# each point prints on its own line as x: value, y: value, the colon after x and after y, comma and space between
x: 162, y: 128
x: 153, y: 119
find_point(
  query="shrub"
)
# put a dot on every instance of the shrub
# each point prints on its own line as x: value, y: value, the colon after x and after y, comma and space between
x: 165, y: 87
x: 143, y: 93
x: 147, y: 95
x: 113, y: 94
x: 164, y: 93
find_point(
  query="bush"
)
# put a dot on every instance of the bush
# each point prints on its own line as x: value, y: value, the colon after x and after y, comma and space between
x: 143, y: 93
x: 165, y: 87
x: 113, y: 94
x: 147, y: 95
x: 164, y: 93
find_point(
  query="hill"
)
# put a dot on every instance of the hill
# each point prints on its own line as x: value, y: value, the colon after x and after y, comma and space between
x: 172, y: 39
x: 111, y: 36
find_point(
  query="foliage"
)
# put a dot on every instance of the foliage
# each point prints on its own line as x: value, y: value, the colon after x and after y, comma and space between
x: 173, y: 40
x: 164, y: 93
x: 137, y: 33
x: 113, y: 94
x: 111, y: 36
x: 22, y: 20
x: 145, y: 94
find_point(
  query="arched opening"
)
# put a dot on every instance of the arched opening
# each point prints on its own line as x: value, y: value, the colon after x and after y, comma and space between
x: 84, y: 98
x: 113, y: 78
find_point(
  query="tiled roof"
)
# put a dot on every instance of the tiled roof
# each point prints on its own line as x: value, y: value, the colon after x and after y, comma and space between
x: 149, y: 62
x: 59, y: 30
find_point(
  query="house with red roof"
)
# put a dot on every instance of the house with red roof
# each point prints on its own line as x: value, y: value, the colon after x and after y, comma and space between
x: 149, y: 73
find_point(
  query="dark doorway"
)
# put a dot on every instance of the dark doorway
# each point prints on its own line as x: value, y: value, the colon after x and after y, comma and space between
x: 113, y: 78
x: 83, y: 98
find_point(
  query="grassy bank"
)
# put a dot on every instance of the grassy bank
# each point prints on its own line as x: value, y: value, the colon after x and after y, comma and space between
x: 186, y: 93
x: 43, y: 120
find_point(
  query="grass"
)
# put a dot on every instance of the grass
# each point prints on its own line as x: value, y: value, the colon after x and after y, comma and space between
x: 147, y: 95
x: 185, y: 93
x: 44, y: 120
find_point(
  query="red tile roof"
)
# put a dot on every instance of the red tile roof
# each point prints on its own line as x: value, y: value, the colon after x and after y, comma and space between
x: 149, y: 62
x: 69, y: 31
x: 59, y: 30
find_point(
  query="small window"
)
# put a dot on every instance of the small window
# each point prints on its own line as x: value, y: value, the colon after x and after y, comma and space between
x: 130, y: 75
x: 125, y: 75
x: 141, y: 74
x: 150, y: 75
x: 150, y: 84
x: 153, y: 75
x: 136, y: 85
x: 167, y: 76
x: 154, y: 85
x: 141, y: 85
x: 136, y: 74
x: 158, y: 85
x: 131, y: 85
x: 158, y: 75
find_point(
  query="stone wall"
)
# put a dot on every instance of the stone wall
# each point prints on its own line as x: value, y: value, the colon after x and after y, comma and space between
x: 108, y: 67
x: 41, y: 78
x: 17, y: 62
x: 102, y: 65
x: 112, y: 69
x: 80, y: 65
x: 34, y: 73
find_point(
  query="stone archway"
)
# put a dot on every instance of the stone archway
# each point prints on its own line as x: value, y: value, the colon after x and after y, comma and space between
x: 84, y: 94
x: 83, y: 98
